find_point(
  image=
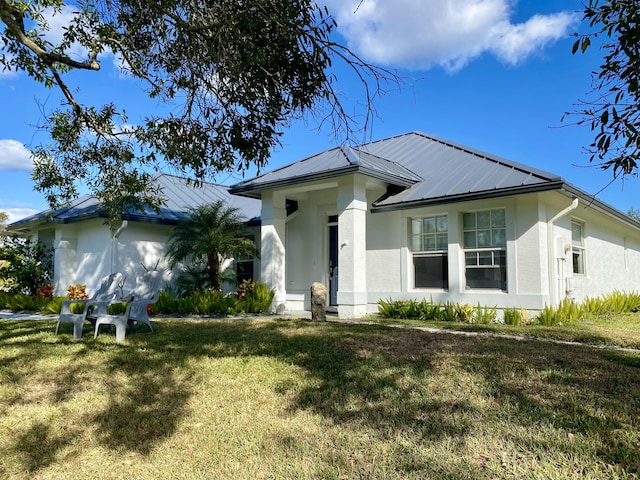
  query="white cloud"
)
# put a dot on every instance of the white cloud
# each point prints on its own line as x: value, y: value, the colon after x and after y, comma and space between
x: 421, y: 34
x: 16, y: 214
x: 14, y: 156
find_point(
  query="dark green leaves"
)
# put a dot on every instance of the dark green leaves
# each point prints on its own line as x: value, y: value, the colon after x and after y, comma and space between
x: 614, y: 114
x: 235, y: 73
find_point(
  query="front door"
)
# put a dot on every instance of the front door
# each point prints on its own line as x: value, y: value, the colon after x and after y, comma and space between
x: 333, y: 260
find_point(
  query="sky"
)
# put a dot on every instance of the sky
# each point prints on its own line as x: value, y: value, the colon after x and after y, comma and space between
x: 494, y: 75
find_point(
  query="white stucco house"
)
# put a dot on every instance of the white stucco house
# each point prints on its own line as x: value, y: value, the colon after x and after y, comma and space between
x: 86, y: 248
x: 415, y: 216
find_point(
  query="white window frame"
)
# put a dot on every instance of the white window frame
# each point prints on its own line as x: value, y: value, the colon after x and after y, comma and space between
x: 578, y: 249
x: 485, y: 246
x: 431, y: 242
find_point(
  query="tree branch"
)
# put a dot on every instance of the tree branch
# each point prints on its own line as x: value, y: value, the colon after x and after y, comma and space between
x: 10, y: 16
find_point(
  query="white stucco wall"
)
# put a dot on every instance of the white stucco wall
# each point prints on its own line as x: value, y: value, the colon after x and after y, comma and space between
x: 612, y: 254
x: 538, y: 267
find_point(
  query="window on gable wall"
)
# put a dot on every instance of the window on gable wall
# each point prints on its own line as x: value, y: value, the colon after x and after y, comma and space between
x: 577, y: 247
x: 429, y: 244
x: 485, y: 249
x: 244, y: 267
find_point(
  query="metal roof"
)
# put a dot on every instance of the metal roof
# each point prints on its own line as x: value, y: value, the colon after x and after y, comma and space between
x: 433, y: 169
x: 180, y: 196
x: 331, y: 163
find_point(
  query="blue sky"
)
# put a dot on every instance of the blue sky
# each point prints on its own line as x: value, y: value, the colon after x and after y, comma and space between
x: 496, y: 75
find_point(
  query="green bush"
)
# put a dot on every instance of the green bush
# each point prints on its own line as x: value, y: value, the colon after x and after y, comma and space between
x: 484, y: 315
x: 447, y: 312
x: 464, y: 312
x: 253, y: 297
x: 27, y: 267
x: 566, y: 312
x: 514, y: 316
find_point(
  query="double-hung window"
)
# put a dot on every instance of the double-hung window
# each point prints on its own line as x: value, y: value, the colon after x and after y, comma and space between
x: 429, y: 245
x: 244, y: 266
x: 485, y: 249
x: 577, y: 247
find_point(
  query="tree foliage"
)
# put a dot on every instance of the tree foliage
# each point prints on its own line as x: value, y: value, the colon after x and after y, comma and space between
x: 26, y: 265
x: 614, y: 114
x: 207, y: 236
x: 232, y: 73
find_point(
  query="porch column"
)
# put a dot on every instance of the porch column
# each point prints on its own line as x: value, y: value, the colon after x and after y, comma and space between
x: 352, y: 247
x: 272, y: 250
x: 65, y: 261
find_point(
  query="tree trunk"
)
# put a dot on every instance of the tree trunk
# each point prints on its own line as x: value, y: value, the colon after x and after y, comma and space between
x: 214, y: 267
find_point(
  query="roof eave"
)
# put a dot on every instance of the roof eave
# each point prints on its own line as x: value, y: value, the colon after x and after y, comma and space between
x: 254, y: 191
x: 601, y: 206
x: 469, y: 196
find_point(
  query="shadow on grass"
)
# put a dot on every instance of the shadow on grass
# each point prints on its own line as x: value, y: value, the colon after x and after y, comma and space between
x: 420, y: 386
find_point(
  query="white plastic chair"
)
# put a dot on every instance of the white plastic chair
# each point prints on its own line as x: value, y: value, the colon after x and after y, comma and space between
x: 145, y: 293
x: 106, y: 292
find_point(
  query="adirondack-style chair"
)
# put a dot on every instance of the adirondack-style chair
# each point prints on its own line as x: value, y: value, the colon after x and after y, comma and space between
x: 145, y: 293
x: 107, y: 291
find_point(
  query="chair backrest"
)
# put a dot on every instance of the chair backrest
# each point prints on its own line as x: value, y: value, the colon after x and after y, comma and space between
x: 108, y: 289
x: 147, y: 291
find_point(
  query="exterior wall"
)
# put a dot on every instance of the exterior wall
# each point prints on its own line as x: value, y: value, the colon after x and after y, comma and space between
x: 612, y: 255
x: 139, y: 247
x: 87, y: 251
x: 390, y: 259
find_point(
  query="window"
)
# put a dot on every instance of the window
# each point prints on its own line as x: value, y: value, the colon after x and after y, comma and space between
x: 429, y: 243
x: 485, y: 249
x: 244, y: 267
x: 577, y: 247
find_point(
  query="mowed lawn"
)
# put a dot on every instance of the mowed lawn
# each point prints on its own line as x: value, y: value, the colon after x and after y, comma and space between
x: 291, y: 399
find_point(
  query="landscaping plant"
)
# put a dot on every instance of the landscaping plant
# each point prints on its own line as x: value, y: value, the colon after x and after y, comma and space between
x: 27, y: 264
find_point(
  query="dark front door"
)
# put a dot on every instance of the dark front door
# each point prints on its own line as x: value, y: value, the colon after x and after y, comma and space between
x: 333, y: 260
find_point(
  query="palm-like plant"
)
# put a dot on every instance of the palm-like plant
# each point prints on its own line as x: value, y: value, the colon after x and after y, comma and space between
x: 208, y: 235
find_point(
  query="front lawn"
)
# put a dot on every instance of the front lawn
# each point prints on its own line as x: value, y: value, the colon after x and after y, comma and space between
x: 291, y: 399
x: 621, y: 330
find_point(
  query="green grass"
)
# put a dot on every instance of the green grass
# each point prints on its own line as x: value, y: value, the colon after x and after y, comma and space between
x: 621, y: 330
x: 291, y: 399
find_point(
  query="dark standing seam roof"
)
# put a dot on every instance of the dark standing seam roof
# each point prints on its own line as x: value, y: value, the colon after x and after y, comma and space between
x: 180, y: 197
x: 330, y: 164
x: 434, y: 170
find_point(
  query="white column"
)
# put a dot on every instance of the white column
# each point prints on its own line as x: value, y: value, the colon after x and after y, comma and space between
x: 352, y: 247
x: 272, y: 261
x: 65, y: 262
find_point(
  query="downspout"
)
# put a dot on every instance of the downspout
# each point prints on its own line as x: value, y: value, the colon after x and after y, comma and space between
x: 114, y: 244
x: 551, y: 257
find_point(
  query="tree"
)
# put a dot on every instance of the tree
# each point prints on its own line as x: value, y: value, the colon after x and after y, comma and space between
x: 4, y: 217
x: 614, y: 115
x: 207, y: 236
x: 236, y: 72
x: 27, y: 265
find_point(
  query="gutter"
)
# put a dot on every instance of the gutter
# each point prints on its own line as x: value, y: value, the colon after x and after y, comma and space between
x: 551, y: 252
x: 114, y: 243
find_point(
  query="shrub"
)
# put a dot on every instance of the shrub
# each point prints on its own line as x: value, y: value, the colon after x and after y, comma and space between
x: 566, y: 312
x: 464, y: 312
x: 253, y: 297
x: 77, y: 292
x: 447, y: 312
x: 47, y: 290
x: 27, y: 266
x: 515, y: 316
x: 484, y: 315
